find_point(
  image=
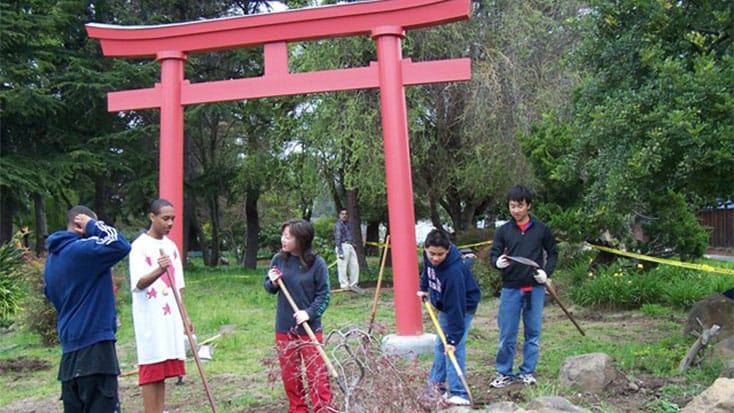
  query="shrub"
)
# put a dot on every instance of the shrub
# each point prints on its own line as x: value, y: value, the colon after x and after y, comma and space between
x: 39, y: 316
x: 13, y: 258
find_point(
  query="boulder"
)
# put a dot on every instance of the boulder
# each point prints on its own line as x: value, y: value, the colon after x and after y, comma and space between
x: 588, y: 372
x: 714, y: 309
x: 719, y: 398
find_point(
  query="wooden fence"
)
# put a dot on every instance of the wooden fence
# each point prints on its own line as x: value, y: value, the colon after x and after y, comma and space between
x: 721, y: 222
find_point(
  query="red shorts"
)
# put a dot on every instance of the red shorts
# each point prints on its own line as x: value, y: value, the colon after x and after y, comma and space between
x: 151, y: 373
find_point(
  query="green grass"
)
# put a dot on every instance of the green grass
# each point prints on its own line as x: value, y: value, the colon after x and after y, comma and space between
x: 649, y: 342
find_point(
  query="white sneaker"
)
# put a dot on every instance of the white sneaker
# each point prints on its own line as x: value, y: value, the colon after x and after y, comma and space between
x: 500, y: 381
x: 458, y: 401
x: 527, y: 379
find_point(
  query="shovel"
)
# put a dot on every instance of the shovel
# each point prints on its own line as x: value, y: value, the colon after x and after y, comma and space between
x: 451, y: 354
x: 549, y: 287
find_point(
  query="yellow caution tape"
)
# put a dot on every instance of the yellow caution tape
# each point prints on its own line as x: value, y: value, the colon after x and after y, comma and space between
x: 700, y: 267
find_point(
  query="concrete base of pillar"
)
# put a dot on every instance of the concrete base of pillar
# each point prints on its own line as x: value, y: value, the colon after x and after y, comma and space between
x: 408, y: 346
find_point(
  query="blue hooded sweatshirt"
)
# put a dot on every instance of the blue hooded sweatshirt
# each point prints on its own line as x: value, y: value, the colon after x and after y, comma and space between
x: 452, y: 290
x: 78, y: 282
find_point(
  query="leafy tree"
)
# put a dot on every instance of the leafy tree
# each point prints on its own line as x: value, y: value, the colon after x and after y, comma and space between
x: 647, y: 138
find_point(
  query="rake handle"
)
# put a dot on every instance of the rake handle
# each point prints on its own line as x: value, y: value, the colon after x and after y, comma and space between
x: 189, y: 335
x: 312, y: 336
x: 450, y: 353
x: 379, y: 282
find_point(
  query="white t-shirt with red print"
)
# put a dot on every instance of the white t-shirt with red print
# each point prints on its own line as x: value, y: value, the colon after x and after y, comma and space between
x: 159, y: 331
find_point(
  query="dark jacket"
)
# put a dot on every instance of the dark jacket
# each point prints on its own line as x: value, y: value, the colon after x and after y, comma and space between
x: 309, y: 289
x: 78, y: 282
x: 536, y: 242
x: 452, y: 290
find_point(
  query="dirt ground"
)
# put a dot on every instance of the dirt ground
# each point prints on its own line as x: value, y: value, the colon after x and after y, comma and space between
x: 626, y: 394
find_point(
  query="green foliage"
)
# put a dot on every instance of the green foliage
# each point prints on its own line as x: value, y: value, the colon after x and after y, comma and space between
x: 324, y: 241
x: 677, y: 225
x: 648, y: 133
x: 13, y: 260
x: 626, y: 286
x: 38, y: 315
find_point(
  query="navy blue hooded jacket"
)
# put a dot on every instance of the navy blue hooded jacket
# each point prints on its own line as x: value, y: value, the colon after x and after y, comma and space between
x: 78, y: 282
x: 452, y: 290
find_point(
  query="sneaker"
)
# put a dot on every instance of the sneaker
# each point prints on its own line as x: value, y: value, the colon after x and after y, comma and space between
x: 527, y: 379
x: 458, y: 401
x: 500, y: 381
x: 357, y: 289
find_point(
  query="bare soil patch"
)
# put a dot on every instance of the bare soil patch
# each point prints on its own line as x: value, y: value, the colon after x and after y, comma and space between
x: 384, y: 385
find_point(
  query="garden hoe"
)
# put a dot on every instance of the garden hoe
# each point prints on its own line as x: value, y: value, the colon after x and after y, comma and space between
x: 379, y: 282
x: 189, y: 334
x: 312, y: 336
x: 450, y: 353
x: 549, y: 287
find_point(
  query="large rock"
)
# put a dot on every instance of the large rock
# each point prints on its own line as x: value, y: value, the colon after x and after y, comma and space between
x: 588, y: 372
x: 544, y: 404
x: 554, y: 404
x: 719, y: 398
x: 714, y: 309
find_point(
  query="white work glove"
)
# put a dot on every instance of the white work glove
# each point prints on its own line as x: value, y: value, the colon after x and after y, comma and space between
x: 274, y: 274
x: 423, y: 295
x: 540, y: 276
x: 301, y: 316
x: 502, y: 262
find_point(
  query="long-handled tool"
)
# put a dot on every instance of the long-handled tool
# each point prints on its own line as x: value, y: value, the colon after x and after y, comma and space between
x: 312, y: 336
x: 189, y: 334
x: 450, y: 353
x: 549, y: 287
x: 379, y: 282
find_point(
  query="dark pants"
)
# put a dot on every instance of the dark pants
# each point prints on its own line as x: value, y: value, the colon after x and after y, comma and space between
x: 96, y: 393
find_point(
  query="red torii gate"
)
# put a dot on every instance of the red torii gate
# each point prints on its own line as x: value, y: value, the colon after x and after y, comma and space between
x: 385, y: 21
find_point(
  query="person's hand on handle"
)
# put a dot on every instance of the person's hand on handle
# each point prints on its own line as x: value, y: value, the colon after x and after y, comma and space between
x: 540, y: 276
x: 502, y: 262
x: 423, y: 295
x: 163, y: 262
x: 274, y: 274
x: 449, y: 349
x: 301, y: 316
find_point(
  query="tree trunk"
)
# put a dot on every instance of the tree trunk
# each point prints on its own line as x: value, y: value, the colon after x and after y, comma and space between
x: 353, y: 209
x: 195, y: 225
x: 373, y: 235
x: 253, y: 228
x: 39, y: 206
x: 214, y: 216
x: 6, y: 216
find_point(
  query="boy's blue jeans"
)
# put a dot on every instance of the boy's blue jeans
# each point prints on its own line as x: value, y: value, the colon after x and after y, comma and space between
x: 515, y: 304
x: 442, y: 369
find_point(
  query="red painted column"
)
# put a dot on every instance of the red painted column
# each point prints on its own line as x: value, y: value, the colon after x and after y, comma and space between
x: 170, y: 181
x: 399, y: 181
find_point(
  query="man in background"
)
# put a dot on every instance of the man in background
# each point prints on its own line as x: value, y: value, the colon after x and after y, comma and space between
x: 347, y: 263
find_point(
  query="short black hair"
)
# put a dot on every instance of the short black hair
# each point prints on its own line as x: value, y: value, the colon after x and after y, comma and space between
x: 155, y: 206
x: 519, y: 193
x: 437, y: 238
x: 76, y: 210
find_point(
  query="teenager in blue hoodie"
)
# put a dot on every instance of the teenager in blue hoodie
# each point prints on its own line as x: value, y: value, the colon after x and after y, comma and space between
x: 449, y: 284
x: 78, y: 282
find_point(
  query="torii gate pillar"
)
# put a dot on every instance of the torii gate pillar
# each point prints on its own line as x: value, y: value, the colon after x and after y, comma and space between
x: 385, y: 21
x: 398, y: 179
x: 171, y: 132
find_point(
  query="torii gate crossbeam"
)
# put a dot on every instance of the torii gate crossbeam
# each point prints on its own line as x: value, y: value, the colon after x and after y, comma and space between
x: 385, y: 21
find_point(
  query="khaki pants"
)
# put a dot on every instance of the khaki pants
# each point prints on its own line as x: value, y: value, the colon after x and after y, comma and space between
x: 348, y: 267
